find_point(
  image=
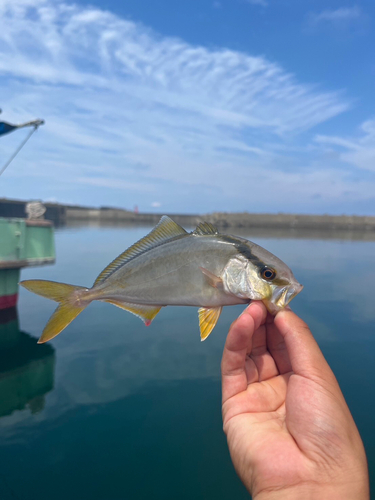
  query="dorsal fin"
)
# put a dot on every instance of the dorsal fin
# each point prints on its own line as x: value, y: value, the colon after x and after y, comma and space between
x: 165, y: 230
x: 205, y: 228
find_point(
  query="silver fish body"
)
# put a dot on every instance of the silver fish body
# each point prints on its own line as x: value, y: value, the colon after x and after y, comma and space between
x: 171, y: 274
x: 169, y: 266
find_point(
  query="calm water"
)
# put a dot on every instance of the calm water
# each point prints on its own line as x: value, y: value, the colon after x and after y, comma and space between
x: 113, y: 410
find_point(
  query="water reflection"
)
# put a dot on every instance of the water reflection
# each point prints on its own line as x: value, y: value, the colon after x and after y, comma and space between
x: 26, y: 368
x: 135, y: 407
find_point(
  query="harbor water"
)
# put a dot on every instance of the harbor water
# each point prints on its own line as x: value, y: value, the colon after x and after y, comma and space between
x: 113, y: 410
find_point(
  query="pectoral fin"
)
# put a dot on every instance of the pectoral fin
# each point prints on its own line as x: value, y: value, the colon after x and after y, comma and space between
x: 207, y: 320
x: 212, y: 279
x: 146, y: 313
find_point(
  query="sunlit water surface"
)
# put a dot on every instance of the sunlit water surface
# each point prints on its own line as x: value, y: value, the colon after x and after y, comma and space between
x: 113, y: 410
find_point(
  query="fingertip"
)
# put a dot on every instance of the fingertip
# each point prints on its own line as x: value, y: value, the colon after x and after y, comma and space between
x: 240, y: 331
x: 244, y: 321
x: 258, y: 311
x: 284, y: 321
x: 287, y: 319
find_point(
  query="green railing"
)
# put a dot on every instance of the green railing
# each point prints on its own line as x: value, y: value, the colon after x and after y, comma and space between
x: 23, y: 243
x: 26, y: 243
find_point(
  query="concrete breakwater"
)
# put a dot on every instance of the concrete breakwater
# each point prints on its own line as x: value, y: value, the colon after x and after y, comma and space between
x: 294, y: 221
x: 230, y: 220
x: 68, y: 214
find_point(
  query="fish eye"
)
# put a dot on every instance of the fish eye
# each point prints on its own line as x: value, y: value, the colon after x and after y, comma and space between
x: 268, y: 274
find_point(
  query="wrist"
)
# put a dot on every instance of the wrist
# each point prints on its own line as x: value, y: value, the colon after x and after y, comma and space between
x: 359, y: 491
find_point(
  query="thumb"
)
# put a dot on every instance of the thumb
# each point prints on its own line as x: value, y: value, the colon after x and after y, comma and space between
x: 305, y: 356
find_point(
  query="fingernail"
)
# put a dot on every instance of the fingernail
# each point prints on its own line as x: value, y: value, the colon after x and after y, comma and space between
x: 244, y: 311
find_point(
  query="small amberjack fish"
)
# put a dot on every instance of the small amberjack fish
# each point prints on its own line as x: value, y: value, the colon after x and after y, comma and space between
x: 169, y: 267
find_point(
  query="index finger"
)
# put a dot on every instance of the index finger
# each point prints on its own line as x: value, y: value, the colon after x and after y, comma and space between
x: 237, y: 346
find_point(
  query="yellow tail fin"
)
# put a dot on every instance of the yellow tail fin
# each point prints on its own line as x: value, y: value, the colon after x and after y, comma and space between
x: 71, y: 304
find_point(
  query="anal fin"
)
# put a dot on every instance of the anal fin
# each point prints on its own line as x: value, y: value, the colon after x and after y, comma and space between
x: 207, y: 320
x: 145, y: 312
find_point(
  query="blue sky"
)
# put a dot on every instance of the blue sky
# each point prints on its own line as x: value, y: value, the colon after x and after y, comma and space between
x: 192, y: 106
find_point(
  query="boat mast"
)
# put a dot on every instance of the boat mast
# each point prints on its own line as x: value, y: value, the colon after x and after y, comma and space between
x: 6, y: 128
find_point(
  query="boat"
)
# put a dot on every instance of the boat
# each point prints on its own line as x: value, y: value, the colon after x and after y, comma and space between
x: 27, y: 241
x: 23, y: 243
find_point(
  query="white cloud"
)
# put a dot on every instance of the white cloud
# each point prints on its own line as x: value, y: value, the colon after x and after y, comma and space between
x: 336, y: 16
x: 357, y: 151
x: 263, y: 3
x: 92, y: 48
x: 130, y: 114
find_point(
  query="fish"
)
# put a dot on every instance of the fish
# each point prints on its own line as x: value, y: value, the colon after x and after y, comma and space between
x: 172, y: 267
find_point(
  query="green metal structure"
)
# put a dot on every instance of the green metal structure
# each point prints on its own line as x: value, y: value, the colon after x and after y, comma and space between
x: 23, y: 242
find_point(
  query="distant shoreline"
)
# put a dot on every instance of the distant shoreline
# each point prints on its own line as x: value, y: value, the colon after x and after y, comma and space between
x: 69, y: 214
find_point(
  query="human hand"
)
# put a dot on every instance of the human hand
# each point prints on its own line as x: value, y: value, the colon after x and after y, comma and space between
x: 290, y: 432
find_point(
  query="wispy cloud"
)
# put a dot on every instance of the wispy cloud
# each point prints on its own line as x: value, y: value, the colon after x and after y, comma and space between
x: 340, y: 16
x: 93, y: 48
x: 132, y: 116
x: 263, y: 3
x: 357, y: 151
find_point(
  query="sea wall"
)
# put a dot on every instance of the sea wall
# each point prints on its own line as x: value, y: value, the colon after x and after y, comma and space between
x: 227, y: 220
x: 17, y: 209
x: 68, y: 214
x: 117, y: 216
x: 295, y: 221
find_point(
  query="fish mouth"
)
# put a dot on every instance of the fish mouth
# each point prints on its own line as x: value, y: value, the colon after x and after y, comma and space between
x: 283, y: 296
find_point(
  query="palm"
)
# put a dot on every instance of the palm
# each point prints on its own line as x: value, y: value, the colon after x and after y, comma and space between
x: 272, y: 415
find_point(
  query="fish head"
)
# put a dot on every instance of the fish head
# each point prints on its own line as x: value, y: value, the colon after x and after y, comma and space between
x: 256, y: 274
x: 281, y: 296
x: 272, y: 280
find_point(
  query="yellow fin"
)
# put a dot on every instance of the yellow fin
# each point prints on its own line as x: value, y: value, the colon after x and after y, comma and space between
x: 146, y: 313
x: 207, y: 320
x: 72, y: 302
x: 59, y: 320
x: 165, y: 230
x: 50, y: 289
